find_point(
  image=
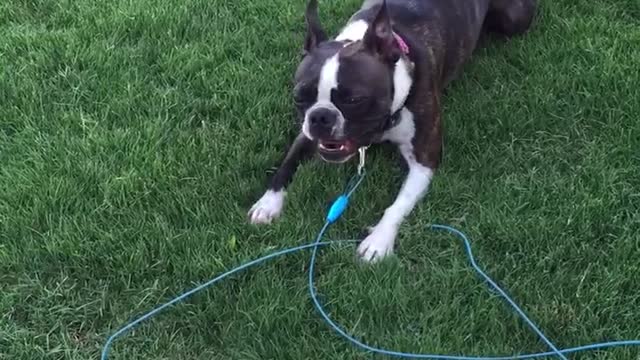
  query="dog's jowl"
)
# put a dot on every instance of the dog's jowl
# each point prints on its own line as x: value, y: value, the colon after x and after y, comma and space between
x: 381, y: 79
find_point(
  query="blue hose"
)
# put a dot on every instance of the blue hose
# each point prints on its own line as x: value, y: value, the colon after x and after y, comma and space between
x: 334, y: 214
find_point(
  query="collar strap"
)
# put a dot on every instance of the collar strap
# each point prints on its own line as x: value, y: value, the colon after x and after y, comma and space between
x: 392, y: 120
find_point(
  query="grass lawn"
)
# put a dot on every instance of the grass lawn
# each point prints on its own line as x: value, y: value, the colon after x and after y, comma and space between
x: 134, y: 136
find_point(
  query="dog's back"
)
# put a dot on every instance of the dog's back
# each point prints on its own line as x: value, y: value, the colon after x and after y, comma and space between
x: 446, y: 32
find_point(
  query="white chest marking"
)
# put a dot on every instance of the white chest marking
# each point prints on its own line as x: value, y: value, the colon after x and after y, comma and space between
x: 380, y: 241
x: 402, y: 82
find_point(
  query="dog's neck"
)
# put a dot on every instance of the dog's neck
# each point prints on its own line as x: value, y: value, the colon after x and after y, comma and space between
x: 403, y: 71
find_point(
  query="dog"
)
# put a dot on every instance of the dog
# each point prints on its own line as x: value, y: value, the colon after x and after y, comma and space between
x: 381, y: 79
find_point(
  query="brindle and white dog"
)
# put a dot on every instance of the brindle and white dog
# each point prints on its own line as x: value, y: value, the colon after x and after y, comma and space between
x: 382, y: 79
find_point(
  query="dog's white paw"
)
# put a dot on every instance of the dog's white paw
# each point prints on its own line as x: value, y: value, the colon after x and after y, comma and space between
x: 378, y: 245
x: 268, y: 208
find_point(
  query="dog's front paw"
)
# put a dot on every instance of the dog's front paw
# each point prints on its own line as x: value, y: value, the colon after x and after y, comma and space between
x: 268, y: 208
x: 378, y: 244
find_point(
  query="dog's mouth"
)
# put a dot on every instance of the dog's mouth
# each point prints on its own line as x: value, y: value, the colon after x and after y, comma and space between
x: 336, y: 151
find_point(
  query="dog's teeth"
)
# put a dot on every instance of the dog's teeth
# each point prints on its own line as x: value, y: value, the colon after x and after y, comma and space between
x: 332, y: 147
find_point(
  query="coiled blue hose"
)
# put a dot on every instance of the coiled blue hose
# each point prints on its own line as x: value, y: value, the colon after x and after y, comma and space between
x: 335, y: 211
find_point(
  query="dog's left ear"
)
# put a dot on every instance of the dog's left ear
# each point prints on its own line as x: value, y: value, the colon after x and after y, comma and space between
x: 379, y: 38
x: 315, y: 34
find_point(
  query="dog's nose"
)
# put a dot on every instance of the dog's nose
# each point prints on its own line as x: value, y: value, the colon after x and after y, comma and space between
x: 322, y: 117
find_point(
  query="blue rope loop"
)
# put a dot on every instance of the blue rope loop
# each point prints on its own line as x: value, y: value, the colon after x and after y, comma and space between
x: 352, y: 185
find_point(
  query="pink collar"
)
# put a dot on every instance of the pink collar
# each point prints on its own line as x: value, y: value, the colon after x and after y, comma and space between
x: 401, y: 43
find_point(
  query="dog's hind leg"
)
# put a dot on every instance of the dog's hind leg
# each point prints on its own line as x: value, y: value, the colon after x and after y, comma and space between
x: 510, y: 17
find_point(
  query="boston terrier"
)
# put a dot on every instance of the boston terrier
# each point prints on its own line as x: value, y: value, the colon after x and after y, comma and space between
x: 382, y: 79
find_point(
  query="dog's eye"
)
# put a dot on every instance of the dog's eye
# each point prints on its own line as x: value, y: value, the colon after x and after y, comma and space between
x: 303, y: 95
x: 300, y: 99
x: 354, y: 100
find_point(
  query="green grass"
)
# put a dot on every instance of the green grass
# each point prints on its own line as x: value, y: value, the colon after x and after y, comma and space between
x: 134, y: 135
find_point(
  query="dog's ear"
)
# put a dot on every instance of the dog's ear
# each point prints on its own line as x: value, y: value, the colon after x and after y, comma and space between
x: 379, y: 38
x: 315, y: 34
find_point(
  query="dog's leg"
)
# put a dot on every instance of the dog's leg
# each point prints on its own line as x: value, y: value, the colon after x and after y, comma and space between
x: 419, y: 141
x: 269, y: 207
x: 510, y: 17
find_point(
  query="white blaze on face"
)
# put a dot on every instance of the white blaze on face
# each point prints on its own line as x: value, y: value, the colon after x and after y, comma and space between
x: 328, y: 79
x: 326, y: 83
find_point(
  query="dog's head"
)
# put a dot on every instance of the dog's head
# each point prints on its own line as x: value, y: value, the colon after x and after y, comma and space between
x: 344, y: 89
